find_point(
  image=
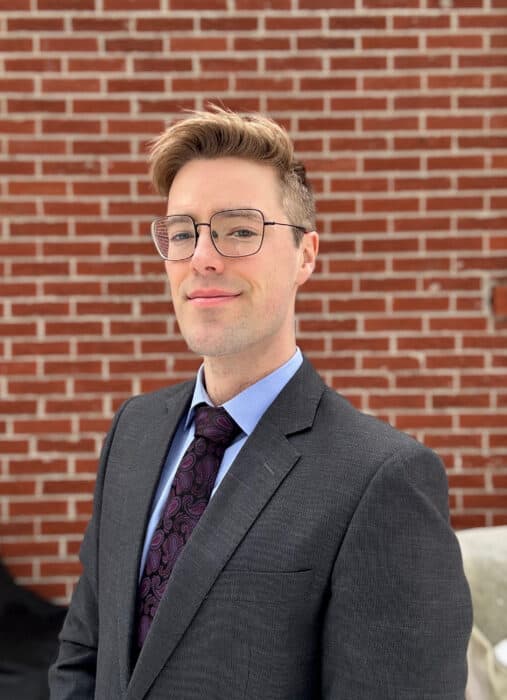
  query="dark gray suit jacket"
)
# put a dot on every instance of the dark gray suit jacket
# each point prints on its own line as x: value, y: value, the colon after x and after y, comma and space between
x: 323, y: 568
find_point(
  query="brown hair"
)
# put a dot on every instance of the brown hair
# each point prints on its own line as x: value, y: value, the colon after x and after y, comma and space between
x: 220, y: 133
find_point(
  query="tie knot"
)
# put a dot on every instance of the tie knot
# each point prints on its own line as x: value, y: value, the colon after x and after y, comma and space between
x: 215, y: 424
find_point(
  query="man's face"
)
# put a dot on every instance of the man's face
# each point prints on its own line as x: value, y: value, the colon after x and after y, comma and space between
x: 237, y: 307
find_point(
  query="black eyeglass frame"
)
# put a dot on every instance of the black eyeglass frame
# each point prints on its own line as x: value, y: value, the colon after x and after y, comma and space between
x: 208, y: 224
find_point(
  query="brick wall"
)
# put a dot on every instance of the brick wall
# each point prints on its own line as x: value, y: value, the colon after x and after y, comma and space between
x: 399, y: 110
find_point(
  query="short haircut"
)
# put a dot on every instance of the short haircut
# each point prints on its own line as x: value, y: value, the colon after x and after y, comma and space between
x: 221, y: 133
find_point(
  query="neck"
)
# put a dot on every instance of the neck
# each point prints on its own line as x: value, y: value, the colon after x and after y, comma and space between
x: 226, y: 377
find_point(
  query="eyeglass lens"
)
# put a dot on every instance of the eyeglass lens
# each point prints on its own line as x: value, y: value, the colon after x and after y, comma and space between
x: 235, y: 233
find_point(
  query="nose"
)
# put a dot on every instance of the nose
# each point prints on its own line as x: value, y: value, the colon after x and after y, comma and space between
x: 206, y: 257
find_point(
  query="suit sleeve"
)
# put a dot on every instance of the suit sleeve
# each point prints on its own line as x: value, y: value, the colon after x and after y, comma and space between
x: 72, y: 676
x: 399, y: 615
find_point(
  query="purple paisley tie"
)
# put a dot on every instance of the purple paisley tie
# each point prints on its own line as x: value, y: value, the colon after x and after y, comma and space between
x: 189, y: 495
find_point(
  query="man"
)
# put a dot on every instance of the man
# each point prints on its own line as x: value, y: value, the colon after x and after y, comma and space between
x: 323, y: 566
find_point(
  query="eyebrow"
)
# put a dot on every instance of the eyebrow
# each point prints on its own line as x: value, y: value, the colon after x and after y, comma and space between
x: 179, y: 217
x: 249, y: 213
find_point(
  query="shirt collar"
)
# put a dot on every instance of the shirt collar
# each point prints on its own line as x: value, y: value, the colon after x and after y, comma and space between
x: 247, y: 407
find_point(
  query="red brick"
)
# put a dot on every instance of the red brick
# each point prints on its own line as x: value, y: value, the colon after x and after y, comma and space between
x: 189, y: 44
x: 131, y: 85
x: 162, y: 65
x: 37, y: 507
x: 70, y: 85
x: 448, y: 441
x: 108, y: 106
x: 291, y: 23
x: 420, y: 304
x: 71, y: 44
x: 321, y: 43
x: 35, y: 347
x: 290, y: 63
x: 36, y: 147
x: 498, y: 60
x: 13, y: 447
x: 383, y: 285
x: 451, y: 203
x: 390, y: 204
x: 422, y: 223
x: 125, y: 45
x: 164, y: 24
x: 63, y: 527
x: 325, y: 4
x: 16, y: 488
x: 73, y: 328
x: 454, y: 41
x: 131, y: 5
x: 500, y: 300
x: 38, y: 308
x: 85, y: 167
x: 396, y: 401
x: 419, y: 21
x: 391, y: 163
x: 448, y: 162
x: 15, y: 44
x: 275, y: 84
x: 356, y: 63
x: 454, y: 122
x: 485, y: 500
x: 391, y: 364
x: 387, y: 42
x: 426, y: 343
x: 18, y: 407
x: 422, y: 102
x: 32, y: 23
x: 205, y: 84
x: 390, y: 123
x: 37, y: 188
x: 102, y: 65
x: 353, y: 104
x: 487, y: 20
x: 60, y: 568
x: 81, y: 405
x: 28, y: 548
x: 378, y: 4
x: 32, y: 65
x: 164, y: 106
x: 228, y: 23
x: 263, y: 5
x: 457, y: 80
x: 466, y: 481
x: 70, y: 486
x: 393, y: 325
x: 482, y: 142
x: 404, y: 82
x: 498, y: 243
x: 454, y: 243
x: 13, y: 168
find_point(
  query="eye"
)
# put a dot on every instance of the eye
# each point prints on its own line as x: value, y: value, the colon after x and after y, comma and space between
x: 243, y: 233
x: 180, y: 236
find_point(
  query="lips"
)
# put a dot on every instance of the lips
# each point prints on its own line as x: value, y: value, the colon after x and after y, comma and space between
x: 207, y: 297
x: 210, y: 293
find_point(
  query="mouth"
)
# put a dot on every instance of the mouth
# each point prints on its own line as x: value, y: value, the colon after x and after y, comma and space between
x: 211, y: 297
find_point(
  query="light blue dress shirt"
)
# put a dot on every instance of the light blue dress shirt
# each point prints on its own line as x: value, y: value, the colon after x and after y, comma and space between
x: 246, y: 408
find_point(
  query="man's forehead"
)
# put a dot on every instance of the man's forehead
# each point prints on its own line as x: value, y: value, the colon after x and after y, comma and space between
x: 205, y: 186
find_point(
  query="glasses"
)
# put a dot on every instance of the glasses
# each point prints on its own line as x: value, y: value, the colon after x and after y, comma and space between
x: 235, y: 233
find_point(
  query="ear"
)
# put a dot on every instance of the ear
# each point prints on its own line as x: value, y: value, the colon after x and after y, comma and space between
x: 309, y: 248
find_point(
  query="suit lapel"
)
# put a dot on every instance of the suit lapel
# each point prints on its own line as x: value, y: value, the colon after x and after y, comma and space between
x: 143, y: 459
x: 258, y: 470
